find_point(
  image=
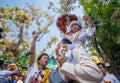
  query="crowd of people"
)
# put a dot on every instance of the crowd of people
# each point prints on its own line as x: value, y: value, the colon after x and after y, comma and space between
x: 9, y: 73
x: 74, y: 64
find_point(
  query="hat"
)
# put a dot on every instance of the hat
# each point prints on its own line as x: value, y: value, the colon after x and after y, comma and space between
x: 64, y: 20
x: 73, y: 22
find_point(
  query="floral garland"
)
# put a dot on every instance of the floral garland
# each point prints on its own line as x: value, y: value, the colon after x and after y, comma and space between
x: 64, y: 21
x: 47, y: 72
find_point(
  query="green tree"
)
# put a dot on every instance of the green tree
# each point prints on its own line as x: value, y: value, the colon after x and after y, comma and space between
x: 16, y: 22
x: 66, y: 6
x: 106, y: 14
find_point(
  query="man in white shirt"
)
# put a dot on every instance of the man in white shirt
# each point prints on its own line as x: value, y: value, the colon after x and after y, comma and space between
x: 108, y: 78
x: 37, y: 73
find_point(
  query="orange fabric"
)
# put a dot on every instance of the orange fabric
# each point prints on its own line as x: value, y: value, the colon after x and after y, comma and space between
x: 47, y: 73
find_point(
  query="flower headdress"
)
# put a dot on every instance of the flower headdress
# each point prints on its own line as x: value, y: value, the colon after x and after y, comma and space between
x: 64, y: 20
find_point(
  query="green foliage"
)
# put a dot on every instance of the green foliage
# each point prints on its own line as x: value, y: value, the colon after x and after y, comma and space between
x: 106, y: 14
x: 66, y: 6
x: 15, y: 22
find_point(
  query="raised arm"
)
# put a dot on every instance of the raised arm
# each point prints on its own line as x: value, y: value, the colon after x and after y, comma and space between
x: 89, y: 20
x: 32, y: 50
x: 91, y: 26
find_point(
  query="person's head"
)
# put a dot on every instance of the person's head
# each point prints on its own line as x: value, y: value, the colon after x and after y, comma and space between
x: 75, y: 26
x: 62, y: 45
x: 101, y: 66
x: 62, y: 48
x: 64, y: 42
x: 43, y: 59
x: 12, y: 67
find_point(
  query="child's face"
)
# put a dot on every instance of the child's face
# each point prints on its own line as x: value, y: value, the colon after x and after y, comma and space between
x: 75, y: 28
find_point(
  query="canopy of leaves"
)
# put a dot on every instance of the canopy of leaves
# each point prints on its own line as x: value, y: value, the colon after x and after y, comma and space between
x: 66, y: 6
x: 106, y: 14
x: 15, y: 22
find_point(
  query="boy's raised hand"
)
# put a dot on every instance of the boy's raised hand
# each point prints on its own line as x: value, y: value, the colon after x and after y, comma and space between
x: 87, y: 18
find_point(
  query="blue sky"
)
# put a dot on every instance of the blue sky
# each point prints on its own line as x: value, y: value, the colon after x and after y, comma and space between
x: 44, y: 4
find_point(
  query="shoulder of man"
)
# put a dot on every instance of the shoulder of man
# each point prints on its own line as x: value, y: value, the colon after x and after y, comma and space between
x: 56, y: 77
